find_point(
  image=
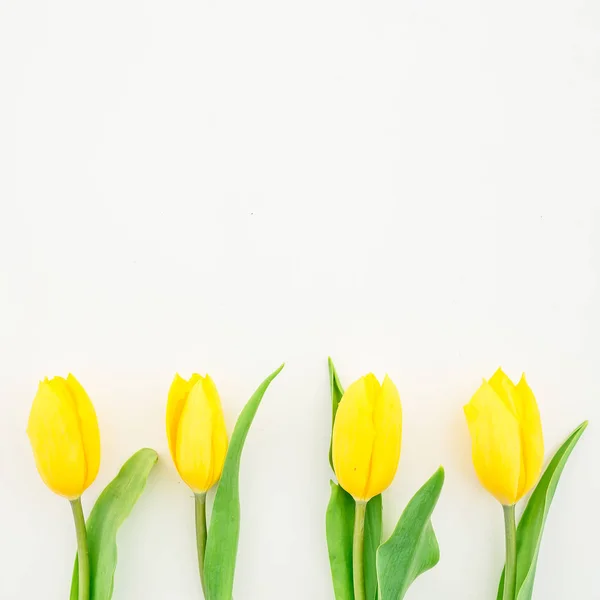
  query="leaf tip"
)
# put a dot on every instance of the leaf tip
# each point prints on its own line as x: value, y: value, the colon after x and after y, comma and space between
x: 275, y: 372
x: 148, y: 451
x: 154, y: 454
x: 580, y: 428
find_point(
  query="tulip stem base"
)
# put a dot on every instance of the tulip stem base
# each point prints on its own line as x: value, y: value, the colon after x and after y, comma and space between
x: 510, y: 569
x: 83, y: 557
x: 200, y: 502
x: 358, y: 548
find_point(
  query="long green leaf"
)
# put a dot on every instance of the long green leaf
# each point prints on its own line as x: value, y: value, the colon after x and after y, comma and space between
x: 339, y: 519
x: 373, y: 526
x: 531, y: 525
x: 340, y: 530
x: 340, y: 526
x: 224, y: 530
x: 336, y: 395
x: 340, y: 523
x: 112, y: 508
x: 413, y: 548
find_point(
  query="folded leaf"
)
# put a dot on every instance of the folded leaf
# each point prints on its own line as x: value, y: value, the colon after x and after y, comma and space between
x: 336, y: 395
x: 373, y: 526
x: 531, y: 525
x: 412, y: 548
x: 112, y: 507
x: 224, y: 530
x: 340, y: 526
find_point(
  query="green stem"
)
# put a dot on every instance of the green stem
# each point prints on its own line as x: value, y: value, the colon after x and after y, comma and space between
x: 358, y: 547
x: 510, y: 572
x: 83, y: 558
x: 200, y: 501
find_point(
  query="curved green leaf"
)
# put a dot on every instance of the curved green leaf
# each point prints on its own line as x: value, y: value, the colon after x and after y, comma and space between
x: 337, y: 391
x: 340, y: 526
x: 373, y: 526
x: 340, y: 529
x: 413, y: 548
x: 531, y: 525
x: 112, y: 508
x: 224, y: 530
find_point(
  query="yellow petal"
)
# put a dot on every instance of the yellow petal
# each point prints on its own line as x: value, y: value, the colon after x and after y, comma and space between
x: 90, y: 432
x: 531, y: 436
x: 193, y: 457
x: 502, y: 384
x: 55, y: 436
x: 354, y: 435
x: 178, y: 393
x: 496, y: 443
x: 507, y: 392
x: 387, y: 417
x: 219, y: 431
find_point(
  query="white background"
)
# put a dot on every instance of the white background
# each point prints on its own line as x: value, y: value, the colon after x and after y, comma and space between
x: 410, y: 186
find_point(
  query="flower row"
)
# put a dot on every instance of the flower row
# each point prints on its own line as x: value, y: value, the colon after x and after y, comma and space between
x: 507, y: 449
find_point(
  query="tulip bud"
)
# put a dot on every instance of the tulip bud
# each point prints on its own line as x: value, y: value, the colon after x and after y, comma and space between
x: 196, y: 431
x: 507, y: 440
x: 367, y: 435
x: 64, y: 435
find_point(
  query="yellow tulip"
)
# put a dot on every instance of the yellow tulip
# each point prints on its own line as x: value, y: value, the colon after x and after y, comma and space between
x: 196, y: 431
x: 64, y: 435
x: 367, y: 435
x: 507, y: 440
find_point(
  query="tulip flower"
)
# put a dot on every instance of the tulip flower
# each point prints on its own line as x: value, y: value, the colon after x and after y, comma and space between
x: 507, y: 440
x: 198, y: 443
x: 507, y: 449
x: 63, y: 431
x: 367, y: 435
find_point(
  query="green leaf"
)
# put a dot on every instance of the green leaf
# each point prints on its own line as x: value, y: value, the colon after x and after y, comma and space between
x: 336, y: 395
x: 531, y: 525
x: 413, y: 548
x: 224, y: 530
x: 373, y: 526
x: 112, y: 508
x: 340, y: 527
x: 339, y: 519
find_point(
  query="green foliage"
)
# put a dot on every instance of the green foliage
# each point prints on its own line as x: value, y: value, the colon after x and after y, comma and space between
x: 337, y: 391
x: 531, y: 525
x: 224, y: 530
x: 412, y: 548
x: 340, y: 526
x: 373, y: 527
x: 112, y: 508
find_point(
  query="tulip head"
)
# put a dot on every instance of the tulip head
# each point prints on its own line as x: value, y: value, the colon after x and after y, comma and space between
x: 367, y: 435
x: 63, y: 431
x: 506, y: 434
x: 196, y: 431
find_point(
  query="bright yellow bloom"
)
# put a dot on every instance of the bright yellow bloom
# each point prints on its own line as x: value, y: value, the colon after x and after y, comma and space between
x: 367, y: 435
x: 507, y: 439
x: 64, y: 435
x: 196, y: 431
